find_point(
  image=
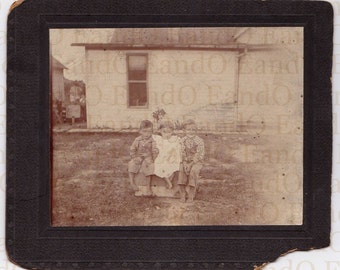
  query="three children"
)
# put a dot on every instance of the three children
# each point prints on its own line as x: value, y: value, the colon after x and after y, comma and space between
x: 166, y: 154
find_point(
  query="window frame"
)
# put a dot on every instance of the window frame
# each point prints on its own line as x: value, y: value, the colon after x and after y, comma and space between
x: 137, y: 81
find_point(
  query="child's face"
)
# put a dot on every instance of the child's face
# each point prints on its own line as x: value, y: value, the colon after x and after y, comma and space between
x: 166, y: 133
x: 146, y: 133
x: 190, y: 130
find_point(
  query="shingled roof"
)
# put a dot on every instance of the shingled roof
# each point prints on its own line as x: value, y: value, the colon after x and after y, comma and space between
x: 179, y: 36
x: 185, y: 38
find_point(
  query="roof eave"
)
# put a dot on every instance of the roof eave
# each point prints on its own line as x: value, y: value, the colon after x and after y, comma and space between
x: 229, y: 47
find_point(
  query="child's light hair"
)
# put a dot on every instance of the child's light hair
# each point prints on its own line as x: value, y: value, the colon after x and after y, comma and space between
x: 166, y: 124
x: 145, y: 124
x: 189, y: 122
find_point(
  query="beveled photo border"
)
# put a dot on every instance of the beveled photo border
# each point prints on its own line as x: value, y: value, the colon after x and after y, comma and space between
x: 31, y: 240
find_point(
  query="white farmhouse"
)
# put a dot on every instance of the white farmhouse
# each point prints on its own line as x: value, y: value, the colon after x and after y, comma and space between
x: 228, y: 79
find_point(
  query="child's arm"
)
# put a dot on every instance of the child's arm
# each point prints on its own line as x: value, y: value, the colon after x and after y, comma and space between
x: 182, y: 150
x: 134, y: 148
x: 199, y: 155
x: 155, y: 150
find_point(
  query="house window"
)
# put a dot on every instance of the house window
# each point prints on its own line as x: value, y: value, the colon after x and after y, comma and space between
x: 137, y: 80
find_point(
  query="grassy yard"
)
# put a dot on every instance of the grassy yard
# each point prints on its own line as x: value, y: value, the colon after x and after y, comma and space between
x: 90, y: 185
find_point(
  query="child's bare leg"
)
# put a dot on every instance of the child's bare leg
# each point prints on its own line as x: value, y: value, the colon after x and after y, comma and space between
x: 193, y: 180
x: 182, y: 192
x: 132, y: 182
x: 168, y: 181
x: 191, y: 195
x: 148, y: 185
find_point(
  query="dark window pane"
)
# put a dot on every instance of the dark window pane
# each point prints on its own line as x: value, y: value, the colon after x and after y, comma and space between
x: 137, y: 94
x: 137, y: 75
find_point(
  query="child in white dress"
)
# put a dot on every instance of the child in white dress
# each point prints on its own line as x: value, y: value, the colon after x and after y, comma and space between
x: 169, y: 157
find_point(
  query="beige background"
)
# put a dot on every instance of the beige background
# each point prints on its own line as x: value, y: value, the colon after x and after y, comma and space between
x: 256, y: 93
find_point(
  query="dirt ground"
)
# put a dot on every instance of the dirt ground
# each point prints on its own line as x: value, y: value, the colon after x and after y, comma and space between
x: 238, y: 186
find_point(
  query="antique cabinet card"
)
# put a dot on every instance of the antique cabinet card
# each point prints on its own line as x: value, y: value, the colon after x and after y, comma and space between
x: 167, y: 135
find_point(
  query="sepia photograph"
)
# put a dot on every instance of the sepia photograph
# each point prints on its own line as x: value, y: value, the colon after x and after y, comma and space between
x: 176, y: 126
